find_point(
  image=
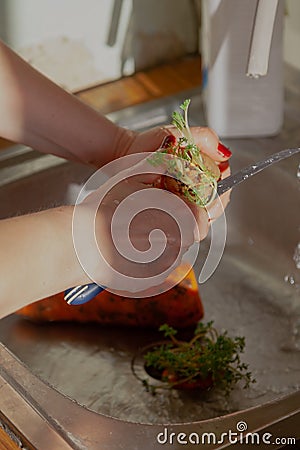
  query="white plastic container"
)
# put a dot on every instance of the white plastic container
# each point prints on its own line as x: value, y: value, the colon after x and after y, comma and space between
x: 237, y: 105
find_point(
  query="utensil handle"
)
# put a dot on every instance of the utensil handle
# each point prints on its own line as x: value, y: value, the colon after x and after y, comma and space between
x: 247, y: 172
x: 82, y: 294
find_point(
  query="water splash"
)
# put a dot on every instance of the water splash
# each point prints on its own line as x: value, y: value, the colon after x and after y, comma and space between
x: 289, y: 279
x: 298, y: 173
x: 250, y: 241
x: 296, y: 256
x: 292, y: 280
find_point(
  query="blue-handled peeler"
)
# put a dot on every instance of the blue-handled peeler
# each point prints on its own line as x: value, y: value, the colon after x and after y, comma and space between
x: 82, y: 294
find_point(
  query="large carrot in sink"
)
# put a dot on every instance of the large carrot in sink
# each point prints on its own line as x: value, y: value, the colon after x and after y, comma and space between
x: 180, y: 307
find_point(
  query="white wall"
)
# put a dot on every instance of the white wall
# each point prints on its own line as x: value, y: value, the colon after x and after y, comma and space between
x: 292, y: 33
x: 66, y: 39
x: 161, y: 30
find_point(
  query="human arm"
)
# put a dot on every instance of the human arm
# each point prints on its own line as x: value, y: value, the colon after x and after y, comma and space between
x: 38, y: 113
x: 37, y: 257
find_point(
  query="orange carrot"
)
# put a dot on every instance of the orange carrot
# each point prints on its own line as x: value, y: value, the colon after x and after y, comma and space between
x: 180, y: 307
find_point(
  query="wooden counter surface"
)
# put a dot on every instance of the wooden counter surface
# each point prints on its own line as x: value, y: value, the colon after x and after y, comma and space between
x: 6, y: 443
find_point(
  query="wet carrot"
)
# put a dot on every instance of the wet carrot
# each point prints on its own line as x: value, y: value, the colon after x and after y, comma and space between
x: 180, y: 307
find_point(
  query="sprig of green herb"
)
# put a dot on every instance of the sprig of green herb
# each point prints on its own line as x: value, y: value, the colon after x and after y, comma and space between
x: 182, y: 123
x: 198, y: 182
x: 207, y: 355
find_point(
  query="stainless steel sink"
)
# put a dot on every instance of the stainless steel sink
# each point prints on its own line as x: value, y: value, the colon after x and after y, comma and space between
x: 70, y: 386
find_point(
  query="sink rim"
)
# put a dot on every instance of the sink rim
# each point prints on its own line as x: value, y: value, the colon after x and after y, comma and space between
x: 46, y: 402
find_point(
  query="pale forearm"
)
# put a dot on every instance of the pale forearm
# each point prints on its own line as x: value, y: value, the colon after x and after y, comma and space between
x: 40, y: 114
x: 37, y: 258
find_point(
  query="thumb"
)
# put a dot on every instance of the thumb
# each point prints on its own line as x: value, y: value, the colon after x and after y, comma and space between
x: 149, y: 140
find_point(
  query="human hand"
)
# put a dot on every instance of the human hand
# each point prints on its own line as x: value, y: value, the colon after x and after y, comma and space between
x: 152, y: 219
x: 209, y: 144
x: 128, y: 236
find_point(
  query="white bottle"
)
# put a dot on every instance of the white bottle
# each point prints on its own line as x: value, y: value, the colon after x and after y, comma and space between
x: 237, y: 105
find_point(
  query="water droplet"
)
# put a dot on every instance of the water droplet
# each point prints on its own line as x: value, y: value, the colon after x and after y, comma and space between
x: 298, y: 172
x: 289, y: 279
x: 296, y: 256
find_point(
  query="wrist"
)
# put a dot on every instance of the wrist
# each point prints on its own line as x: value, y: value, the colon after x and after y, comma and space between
x: 129, y: 142
x: 62, y: 218
x: 123, y: 142
x: 86, y: 237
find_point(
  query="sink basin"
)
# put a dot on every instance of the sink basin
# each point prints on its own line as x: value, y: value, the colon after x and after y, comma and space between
x: 78, y: 378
